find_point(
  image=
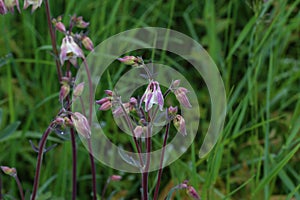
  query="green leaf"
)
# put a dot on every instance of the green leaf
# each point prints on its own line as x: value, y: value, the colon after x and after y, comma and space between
x: 9, y: 130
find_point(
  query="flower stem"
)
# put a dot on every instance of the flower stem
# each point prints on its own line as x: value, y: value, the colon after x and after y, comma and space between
x: 0, y: 187
x: 39, y: 161
x: 74, y: 163
x: 53, y: 40
x: 161, y: 163
x: 93, y: 168
x: 20, y: 187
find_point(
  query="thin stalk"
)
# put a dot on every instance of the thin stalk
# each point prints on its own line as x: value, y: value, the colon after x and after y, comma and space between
x: 161, y: 163
x: 74, y: 164
x: 93, y: 168
x: 105, y: 188
x: 53, y: 40
x: 73, y: 141
x: 145, y: 175
x: 39, y: 161
x: 20, y: 187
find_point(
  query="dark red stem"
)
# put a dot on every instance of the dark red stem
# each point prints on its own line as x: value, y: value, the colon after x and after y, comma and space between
x: 20, y: 187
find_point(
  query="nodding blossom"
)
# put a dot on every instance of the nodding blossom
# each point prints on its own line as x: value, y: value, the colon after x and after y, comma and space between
x: 180, y: 93
x: 35, y: 4
x: 81, y: 124
x: 69, y: 50
x: 8, y: 5
x: 179, y: 124
x: 153, y: 95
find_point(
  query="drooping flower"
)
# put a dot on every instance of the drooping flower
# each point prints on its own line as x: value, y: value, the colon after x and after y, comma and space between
x: 153, y: 95
x: 70, y: 51
x: 81, y: 124
x: 79, y: 22
x: 35, y: 4
x: 180, y: 93
x: 64, y: 91
x: 87, y: 43
x: 179, y: 124
x: 138, y: 131
x: 10, y: 4
x: 3, y: 9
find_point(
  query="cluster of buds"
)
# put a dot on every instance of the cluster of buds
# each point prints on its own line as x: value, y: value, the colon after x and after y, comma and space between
x: 71, y: 45
x: 9, y: 5
x: 106, y: 102
x: 178, y: 120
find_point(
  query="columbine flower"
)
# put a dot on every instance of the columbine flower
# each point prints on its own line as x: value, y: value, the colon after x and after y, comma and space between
x: 80, y: 23
x: 8, y: 5
x: 179, y: 124
x: 35, y: 4
x: 3, y: 9
x: 69, y: 50
x: 81, y: 124
x: 131, y: 60
x: 180, y: 93
x: 152, y: 96
x: 9, y: 171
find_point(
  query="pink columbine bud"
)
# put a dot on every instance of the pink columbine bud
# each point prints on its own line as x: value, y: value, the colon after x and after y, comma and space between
x: 179, y: 124
x: 8, y: 5
x: 3, y: 9
x: 35, y: 4
x: 9, y: 171
x: 172, y: 111
x: 193, y: 193
x: 80, y: 23
x: 69, y: 50
x: 115, y: 178
x: 103, y: 100
x: 133, y: 101
x: 78, y: 90
x: 106, y: 106
x: 175, y: 84
x: 132, y: 60
x: 60, y: 27
x: 64, y: 91
x: 81, y: 124
x: 59, y: 120
x: 181, y: 96
x: 87, y: 43
x: 109, y: 93
x: 138, y: 131
x: 68, y: 122
x: 152, y: 96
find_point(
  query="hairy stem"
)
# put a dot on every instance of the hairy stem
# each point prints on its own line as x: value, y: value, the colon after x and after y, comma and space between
x: 39, y: 161
x: 155, y: 197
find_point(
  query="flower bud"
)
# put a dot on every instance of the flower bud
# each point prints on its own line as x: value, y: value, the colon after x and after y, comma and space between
x: 138, y: 131
x: 128, y: 60
x: 175, y: 84
x: 81, y: 124
x: 59, y: 120
x: 60, y: 27
x: 115, y: 178
x: 193, y: 193
x: 181, y: 96
x: 179, y: 124
x: 172, y: 111
x: 9, y: 171
x: 109, y: 92
x: 78, y: 90
x: 87, y: 43
x: 106, y: 106
x: 64, y: 91
x: 80, y: 23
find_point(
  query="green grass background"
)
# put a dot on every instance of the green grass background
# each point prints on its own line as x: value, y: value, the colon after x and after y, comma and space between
x: 255, y: 45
